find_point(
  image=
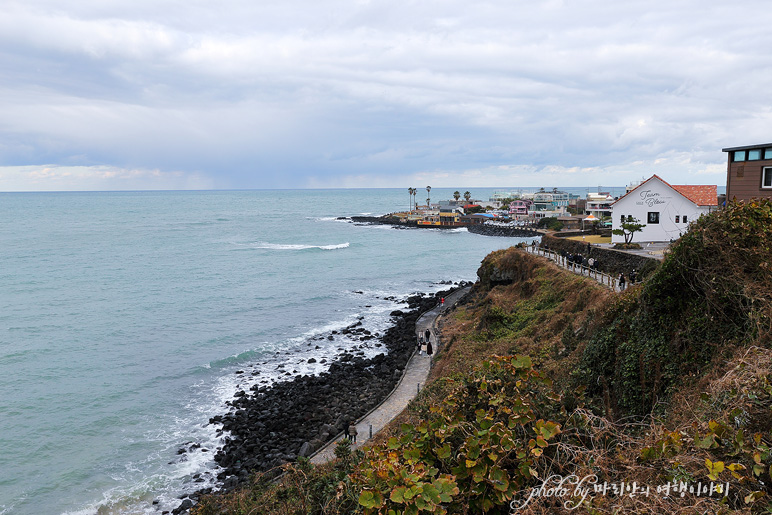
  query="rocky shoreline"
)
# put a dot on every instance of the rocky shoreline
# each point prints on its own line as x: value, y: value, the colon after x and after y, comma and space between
x: 379, y: 220
x: 484, y: 229
x: 272, y: 425
x: 501, y: 230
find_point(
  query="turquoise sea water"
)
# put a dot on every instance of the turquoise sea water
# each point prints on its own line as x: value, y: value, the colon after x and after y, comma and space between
x: 124, y: 317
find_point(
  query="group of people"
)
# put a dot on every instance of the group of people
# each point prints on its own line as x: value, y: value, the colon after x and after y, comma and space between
x: 425, y: 343
x: 579, y: 259
x: 350, y: 432
x: 633, y: 276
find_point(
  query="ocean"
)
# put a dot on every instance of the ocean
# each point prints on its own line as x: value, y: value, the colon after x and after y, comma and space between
x: 125, y: 317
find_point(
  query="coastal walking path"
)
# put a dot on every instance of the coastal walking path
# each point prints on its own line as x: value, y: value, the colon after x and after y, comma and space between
x: 413, y: 379
x: 561, y: 261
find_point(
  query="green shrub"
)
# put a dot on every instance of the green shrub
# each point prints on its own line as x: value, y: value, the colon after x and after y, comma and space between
x: 472, y: 453
x: 713, y: 291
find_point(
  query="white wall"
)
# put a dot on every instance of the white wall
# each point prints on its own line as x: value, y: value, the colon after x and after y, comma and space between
x: 654, y: 196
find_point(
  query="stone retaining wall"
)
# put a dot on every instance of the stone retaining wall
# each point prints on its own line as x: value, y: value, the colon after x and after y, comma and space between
x: 610, y: 261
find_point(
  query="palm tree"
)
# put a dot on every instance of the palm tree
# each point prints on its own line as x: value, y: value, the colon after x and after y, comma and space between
x: 456, y: 195
x: 467, y: 196
x: 428, y: 204
x: 411, y: 191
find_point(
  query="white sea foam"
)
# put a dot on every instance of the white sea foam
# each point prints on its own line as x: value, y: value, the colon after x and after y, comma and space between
x: 327, y: 218
x: 280, y: 246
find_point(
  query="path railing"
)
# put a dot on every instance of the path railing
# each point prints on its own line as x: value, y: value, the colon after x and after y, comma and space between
x: 601, y: 277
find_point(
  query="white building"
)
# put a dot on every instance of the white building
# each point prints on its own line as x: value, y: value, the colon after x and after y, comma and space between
x: 666, y: 210
x: 598, y: 204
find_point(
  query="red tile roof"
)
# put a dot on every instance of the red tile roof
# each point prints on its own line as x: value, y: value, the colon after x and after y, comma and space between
x: 702, y: 195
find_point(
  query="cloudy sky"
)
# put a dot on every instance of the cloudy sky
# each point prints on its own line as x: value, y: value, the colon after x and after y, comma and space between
x: 198, y: 94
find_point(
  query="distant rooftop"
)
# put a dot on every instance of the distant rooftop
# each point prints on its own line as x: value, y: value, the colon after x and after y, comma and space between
x: 702, y: 195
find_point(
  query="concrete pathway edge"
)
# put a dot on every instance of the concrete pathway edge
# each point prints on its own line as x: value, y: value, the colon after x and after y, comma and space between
x: 326, y: 452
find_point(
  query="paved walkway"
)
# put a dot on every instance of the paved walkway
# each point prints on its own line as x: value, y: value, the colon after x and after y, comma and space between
x: 414, y: 378
x: 654, y: 249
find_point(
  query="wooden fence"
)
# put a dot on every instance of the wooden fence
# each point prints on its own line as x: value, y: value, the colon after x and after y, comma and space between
x: 603, y: 278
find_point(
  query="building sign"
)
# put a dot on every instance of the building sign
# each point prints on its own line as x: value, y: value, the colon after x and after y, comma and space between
x: 651, y: 198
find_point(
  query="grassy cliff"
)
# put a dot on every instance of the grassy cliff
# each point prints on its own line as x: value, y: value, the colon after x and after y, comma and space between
x: 546, y: 374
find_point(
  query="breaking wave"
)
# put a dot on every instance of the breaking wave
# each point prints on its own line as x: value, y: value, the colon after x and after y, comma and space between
x: 280, y: 246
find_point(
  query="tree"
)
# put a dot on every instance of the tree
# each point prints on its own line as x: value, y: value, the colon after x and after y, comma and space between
x: 428, y: 204
x: 456, y: 195
x: 549, y: 222
x: 629, y: 227
x: 412, y: 192
x: 467, y: 196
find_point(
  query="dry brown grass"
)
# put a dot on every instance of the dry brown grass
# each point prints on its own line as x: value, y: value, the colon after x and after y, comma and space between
x: 609, y: 453
x: 462, y: 349
x: 580, y: 300
x: 613, y: 451
x: 594, y: 238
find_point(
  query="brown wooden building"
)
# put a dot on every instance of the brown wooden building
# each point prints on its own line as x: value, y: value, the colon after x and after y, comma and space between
x: 749, y: 172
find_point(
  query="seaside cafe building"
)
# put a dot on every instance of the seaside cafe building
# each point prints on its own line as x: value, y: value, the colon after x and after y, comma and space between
x: 666, y: 209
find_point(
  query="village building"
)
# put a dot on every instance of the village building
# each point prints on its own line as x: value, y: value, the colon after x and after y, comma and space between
x: 476, y: 219
x: 549, y: 203
x: 749, y: 172
x: 449, y: 216
x: 599, y: 205
x: 571, y: 221
x: 665, y: 209
x: 518, y: 209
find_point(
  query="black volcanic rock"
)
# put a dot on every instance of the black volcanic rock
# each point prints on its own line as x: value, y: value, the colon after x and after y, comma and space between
x: 273, y: 425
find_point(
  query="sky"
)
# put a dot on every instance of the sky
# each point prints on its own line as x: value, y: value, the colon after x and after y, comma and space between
x: 253, y: 94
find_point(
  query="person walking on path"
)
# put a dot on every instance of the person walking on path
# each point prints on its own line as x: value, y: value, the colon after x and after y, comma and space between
x: 345, y: 431
x: 442, y: 301
x: 429, y: 350
x: 621, y: 282
x: 352, y: 431
x: 427, y: 336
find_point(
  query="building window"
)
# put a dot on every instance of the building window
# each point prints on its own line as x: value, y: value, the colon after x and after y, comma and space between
x: 677, y: 218
x: 684, y: 219
x: 768, y: 153
x: 766, y: 177
x: 653, y: 217
x: 754, y: 155
x: 739, y: 155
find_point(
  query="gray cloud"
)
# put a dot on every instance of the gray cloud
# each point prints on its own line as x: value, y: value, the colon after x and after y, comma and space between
x: 307, y: 93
